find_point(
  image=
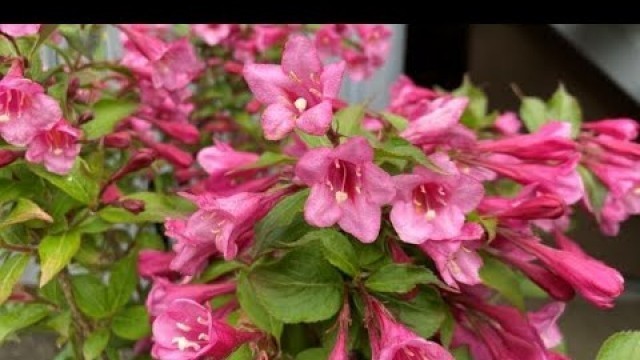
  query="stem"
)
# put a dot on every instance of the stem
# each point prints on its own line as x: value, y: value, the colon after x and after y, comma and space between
x: 14, y: 45
x: 17, y: 248
x: 82, y: 326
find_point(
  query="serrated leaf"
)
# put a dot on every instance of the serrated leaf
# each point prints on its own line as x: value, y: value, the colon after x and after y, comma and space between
x: 11, y: 270
x: 55, y: 253
x: 91, y: 296
x: 248, y: 299
x: 622, y: 345
x: 533, y: 113
x: 399, y: 278
x: 106, y: 115
x: 132, y: 323
x: 595, y: 190
x: 122, y: 283
x: 337, y: 249
x: 157, y: 207
x: 348, y: 121
x: 565, y: 107
x: 300, y: 287
x: 95, y: 344
x: 19, y: 316
x: 23, y: 211
x: 78, y: 183
x: 499, y: 276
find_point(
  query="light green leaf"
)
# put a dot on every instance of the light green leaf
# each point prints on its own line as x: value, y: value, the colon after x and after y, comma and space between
x: 248, y: 299
x: 55, y: 253
x: 11, y: 270
x: 157, y: 207
x: 91, y: 296
x: 499, y: 276
x: 19, y: 316
x: 314, y: 141
x: 398, y: 122
x: 300, y: 287
x: 268, y: 159
x: 217, y: 269
x: 122, y: 282
x: 95, y: 344
x: 424, y: 313
x: 533, y: 113
x: 60, y: 323
x: 348, y: 121
x: 475, y: 115
x: 132, y: 323
x: 45, y: 31
x: 402, y: 149
x: 595, y: 190
x: 23, y: 211
x: 399, y: 278
x: 337, y: 249
x: 78, y: 183
x: 565, y: 107
x: 461, y: 353
x: 622, y: 345
x: 243, y: 353
x: 106, y: 115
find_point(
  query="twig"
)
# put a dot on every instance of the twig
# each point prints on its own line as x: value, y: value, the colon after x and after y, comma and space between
x: 83, y: 327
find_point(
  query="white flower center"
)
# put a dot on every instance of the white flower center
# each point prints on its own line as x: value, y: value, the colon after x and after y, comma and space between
x: 430, y: 214
x: 183, y: 327
x: 300, y: 104
x: 341, y: 196
x: 184, y: 344
x: 4, y: 118
x: 57, y: 151
x: 636, y: 191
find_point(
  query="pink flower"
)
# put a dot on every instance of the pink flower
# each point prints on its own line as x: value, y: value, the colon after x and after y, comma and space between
x: 622, y: 129
x: 508, y: 124
x: 190, y: 257
x: 341, y: 348
x: 297, y: 93
x: 455, y: 258
x: 432, y: 206
x: 220, y: 221
x: 57, y: 147
x: 163, y: 293
x: 328, y: 39
x: 268, y: 36
x: 25, y: 109
x: 189, y: 331
x: 444, y: 113
x: 391, y: 340
x: 18, y: 30
x: 154, y: 263
x: 219, y: 159
x: 544, y: 321
x: 212, y: 34
x: 7, y: 157
x: 171, y: 66
x: 346, y: 188
x: 375, y: 43
x: 410, y: 100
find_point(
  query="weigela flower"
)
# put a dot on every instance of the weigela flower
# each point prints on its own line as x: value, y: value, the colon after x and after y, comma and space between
x: 164, y: 292
x: 56, y: 148
x: 346, y: 188
x: 18, y: 30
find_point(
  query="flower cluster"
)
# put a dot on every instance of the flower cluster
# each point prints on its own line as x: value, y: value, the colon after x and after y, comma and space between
x: 210, y: 195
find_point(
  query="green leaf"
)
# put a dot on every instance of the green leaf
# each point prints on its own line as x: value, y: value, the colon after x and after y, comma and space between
x: 622, y: 345
x: 106, y: 115
x: 53, y: 292
x: 78, y: 183
x: 55, y: 253
x: 337, y: 249
x: 132, y: 323
x: 475, y: 115
x: 248, y: 299
x: 268, y: 159
x: 60, y: 323
x: 93, y: 225
x: 369, y: 255
x: 91, y: 296
x: 398, y: 122
x: 314, y: 141
x: 402, y: 149
x: 23, y: 211
x: 424, y: 313
x: 282, y: 215
x: 12, y: 190
x: 95, y: 344
x: 533, y: 113
x: 399, y: 278
x: 499, y: 276
x: 122, y: 282
x: 595, y: 189
x: 300, y: 287
x: 242, y: 353
x: 313, y: 354
x: 157, y: 207
x: 18, y: 316
x: 11, y: 270
x: 461, y: 353
x: 45, y: 31
x: 564, y: 107
x: 348, y: 121
x: 217, y: 269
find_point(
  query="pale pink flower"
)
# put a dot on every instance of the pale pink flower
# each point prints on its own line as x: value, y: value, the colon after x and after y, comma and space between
x: 25, y: 110
x: 410, y: 100
x: 18, y: 30
x: 57, y: 148
x: 346, y: 188
x: 432, y: 206
x: 444, y: 113
x: 508, y: 124
x: 212, y: 34
x: 221, y: 158
x: 189, y: 331
x: 544, y: 321
x: 163, y: 293
x: 297, y: 93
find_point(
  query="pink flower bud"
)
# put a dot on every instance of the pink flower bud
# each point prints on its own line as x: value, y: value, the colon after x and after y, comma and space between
x: 133, y: 206
x: 154, y: 263
x: 139, y: 160
x: 118, y: 140
x: 8, y: 156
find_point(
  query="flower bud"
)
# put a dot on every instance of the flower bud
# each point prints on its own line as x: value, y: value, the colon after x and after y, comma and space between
x: 118, y: 140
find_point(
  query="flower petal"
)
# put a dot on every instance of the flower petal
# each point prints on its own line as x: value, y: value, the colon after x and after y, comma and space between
x: 316, y: 120
x: 277, y: 121
x: 321, y: 208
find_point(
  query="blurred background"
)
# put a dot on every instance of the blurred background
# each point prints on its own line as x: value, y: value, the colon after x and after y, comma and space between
x: 599, y: 64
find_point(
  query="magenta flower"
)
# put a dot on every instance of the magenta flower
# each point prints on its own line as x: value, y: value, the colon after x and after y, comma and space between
x: 340, y: 350
x: 189, y: 331
x: 432, y: 206
x: 410, y: 100
x: 544, y: 321
x: 621, y: 129
x: 455, y: 258
x: 221, y: 158
x: 154, y: 263
x: 212, y: 34
x: 444, y: 113
x: 346, y: 188
x: 57, y: 148
x: 391, y: 340
x: 164, y: 292
x: 190, y: 257
x: 508, y: 124
x: 297, y: 93
x: 18, y: 30
x: 25, y: 110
